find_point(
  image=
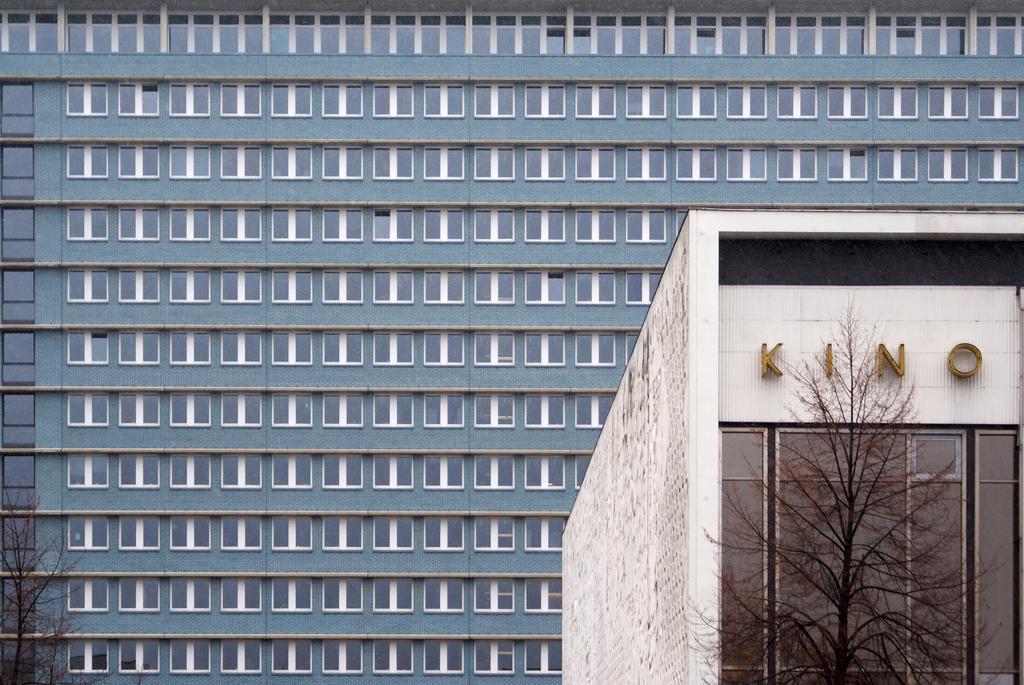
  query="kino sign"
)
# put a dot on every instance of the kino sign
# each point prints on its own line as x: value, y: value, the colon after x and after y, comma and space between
x: 884, y: 358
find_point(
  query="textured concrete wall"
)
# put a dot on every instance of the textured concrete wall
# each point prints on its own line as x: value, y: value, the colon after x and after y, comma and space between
x: 624, y: 559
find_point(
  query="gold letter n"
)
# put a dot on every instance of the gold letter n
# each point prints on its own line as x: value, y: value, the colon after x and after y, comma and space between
x: 884, y: 357
x: 766, y: 360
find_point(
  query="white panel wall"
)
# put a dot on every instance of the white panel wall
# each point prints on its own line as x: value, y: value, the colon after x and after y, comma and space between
x: 929, y: 321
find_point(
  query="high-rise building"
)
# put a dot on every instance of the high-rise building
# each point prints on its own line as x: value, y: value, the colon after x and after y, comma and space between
x: 312, y: 313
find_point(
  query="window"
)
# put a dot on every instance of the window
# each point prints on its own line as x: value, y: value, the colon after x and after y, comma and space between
x: 238, y: 656
x: 847, y: 102
x: 494, y: 535
x: 140, y: 533
x: 240, y: 287
x: 595, y: 102
x: 543, y: 657
x: 545, y: 411
x: 920, y: 35
x: 545, y: 473
x: 442, y: 287
x: 695, y: 164
x: 292, y: 656
x: 581, y: 470
x: 495, y: 349
x: 998, y: 36
x: 745, y: 102
x: 138, y: 99
x: 595, y: 226
x: 292, y: 349
x: 897, y: 164
x: 999, y: 102
x: 190, y: 348
x: 543, y: 287
x: 595, y: 287
x: 87, y: 656
x: 343, y: 101
x: 645, y: 227
x: 240, y: 534
x: 545, y: 226
x: 190, y: 100
x: 294, y: 225
x: 494, y: 473
x: 291, y: 411
x: 392, y: 534
x: 494, y: 164
x: 87, y: 161
x: 306, y: 34
x: 139, y: 162
x: 997, y: 165
x: 17, y: 226
x: 190, y: 162
x: 190, y: 286
x: 291, y: 163
x: 292, y: 533
x: 545, y: 349
x: 720, y: 35
x: 139, y: 594
x: 442, y: 657
x: 842, y: 35
x: 343, y: 656
x: 595, y: 164
x: 87, y: 99
x: 190, y: 472
x: 87, y: 594
x: 190, y: 656
x: 416, y: 34
x: 343, y: 287
x: 897, y: 102
x: 745, y: 164
x: 85, y: 348
x: 443, y: 225
x: 442, y: 411
x: 640, y: 287
x: 645, y: 102
x: 89, y: 471
x: 343, y: 225
x: 443, y: 349
x: 343, y: 349
x: 190, y: 533
x: 442, y: 595
x: 240, y: 162
x: 390, y: 349
x: 190, y: 224
x: 190, y: 410
x: 240, y: 348
x: 797, y: 102
x: 392, y: 657
x: 240, y: 472
x: 493, y: 657
x: 291, y: 594
x: 443, y: 164
x: 947, y: 102
x: 494, y: 411
x: 494, y: 101
x: 947, y: 165
x: 392, y: 472
x: 87, y: 533
x: 343, y: 411
x: 492, y: 225
x: 139, y: 348
x: 544, y: 534
x: 293, y: 473
x: 392, y: 287
x: 645, y: 164
x: 442, y: 473
x: 591, y: 410
x: 291, y: 100
x: 138, y: 224
x: 629, y: 35
x: 543, y: 596
x: 442, y: 101
x: 392, y: 101
x: 595, y: 349
x: 240, y: 410
x: 239, y: 100
x: 292, y: 287
x: 342, y: 534
x: 87, y: 410
x: 139, y: 472
x: 199, y: 34
x: 141, y: 286
x: 545, y: 101
x: 17, y: 172
x: 695, y: 102
x: 797, y: 164
x: 343, y: 472
x: 392, y: 411
x: 511, y: 34
x: 343, y: 163
x: 392, y: 225
x: 89, y: 223
x: 392, y: 595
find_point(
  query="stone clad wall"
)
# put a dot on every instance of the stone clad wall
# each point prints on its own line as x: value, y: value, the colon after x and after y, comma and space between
x: 625, y: 546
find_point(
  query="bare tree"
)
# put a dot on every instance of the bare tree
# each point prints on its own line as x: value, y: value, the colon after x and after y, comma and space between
x: 842, y: 565
x: 34, y: 618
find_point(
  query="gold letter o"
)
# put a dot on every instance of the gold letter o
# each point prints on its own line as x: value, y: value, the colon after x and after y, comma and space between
x: 968, y: 347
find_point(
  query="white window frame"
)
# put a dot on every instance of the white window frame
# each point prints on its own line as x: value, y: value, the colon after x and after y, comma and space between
x: 241, y: 595
x: 450, y: 472
x: 749, y: 97
x: 92, y: 599
x: 541, y: 219
x: 592, y: 342
x: 604, y: 170
x: 91, y: 230
x: 451, y: 349
x: 291, y: 472
x: 447, y: 653
x: 546, y: 526
x: 349, y: 411
x: 344, y: 95
x: 241, y: 288
x: 139, y: 276
x: 394, y: 283
x: 197, y: 348
x: 243, y: 89
x: 195, y: 589
x: 500, y: 656
x: 691, y: 164
x: 134, y: 224
x: 494, y: 473
x: 93, y: 94
x: 947, y: 95
x: 292, y: 295
x: 446, y: 169
x: 95, y: 409
x: 646, y: 218
x: 392, y: 349
x: 947, y: 154
x: 291, y: 348
x: 145, y: 466
x: 699, y: 96
x: 393, y: 101
x: 297, y: 163
x: 490, y: 223
x: 450, y: 596
x: 729, y: 35
x: 995, y: 174
x: 582, y: 463
x: 298, y: 100
x: 798, y: 158
x: 95, y: 348
x: 132, y: 100
x: 191, y: 481
x: 897, y: 102
x: 293, y: 404
x: 193, y: 286
x: 193, y: 525
x: 91, y: 471
x: 392, y: 473
x: 343, y: 587
x: 346, y: 526
x: 494, y: 534
x: 646, y: 289
x: 898, y: 157
x: 350, y: 349
x: 197, y: 410
x: 134, y: 346
x: 544, y: 473
x: 241, y: 400
x: 497, y: 157
x: 387, y: 595
x: 602, y: 215
x: 242, y: 526
x: 392, y: 226
x: 89, y: 164
x: 945, y: 25
x: 592, y: 293
x: 90, y: 526
x: 548, y: 341
x: 389, y: 528
x: 248, y: 220
x: 193, y: 219
x: 646, y: 101
x: 492, y: 96
x: 544, y: 655
x: 998, y: 94
x: 350, y: 225
x: 547, y: 279
x: 350, y: 163
x: 343, y: 649
x: 391, y: 418
x: 599, y: 96
x: 488, y: 411
x: 350, y: 287
x: 851, y: 95
x: 398, y: 653
x: 551, y: 104
x: 445, y: 97
x: 297, y: 225
x: 552, y: 411
x: 239, y: 152
x: 293, y: 528
x: 143, y: 401
x: 547, y: 589
x: 192, y: 656
x: 189, y: 90
x: 493, y: 596
x: 291, y: 595
x: 748, y: 166
x: 351, y: 466
x: 650, y: 169
x: 488, y: 349
x: 449, y: 230
x: 245, y: 466
x: 592, y: 407
x: 140, y: 152
x: 140, y: 532
x: 93, y: 651
x: 245, y: 344
x: 197, y: 162
x: 451, y: 411
x: 242, y: 649
x: 795, y: 94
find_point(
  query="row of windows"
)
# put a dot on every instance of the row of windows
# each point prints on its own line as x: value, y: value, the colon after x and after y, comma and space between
x: 300, y: 595
x: 549, y: 101
x: 388, y: 349
x: 346, y: 225
x: 296, y: 472
x: 335, y: 656
x: 198, y: 410
x: 346, y: 287
x: 296, y: 534
x: 514, y: 34
x: 592, y: 164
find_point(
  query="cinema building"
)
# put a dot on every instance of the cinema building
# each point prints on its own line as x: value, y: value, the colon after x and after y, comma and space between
x: 708, y: 409
x: 312, y: 311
